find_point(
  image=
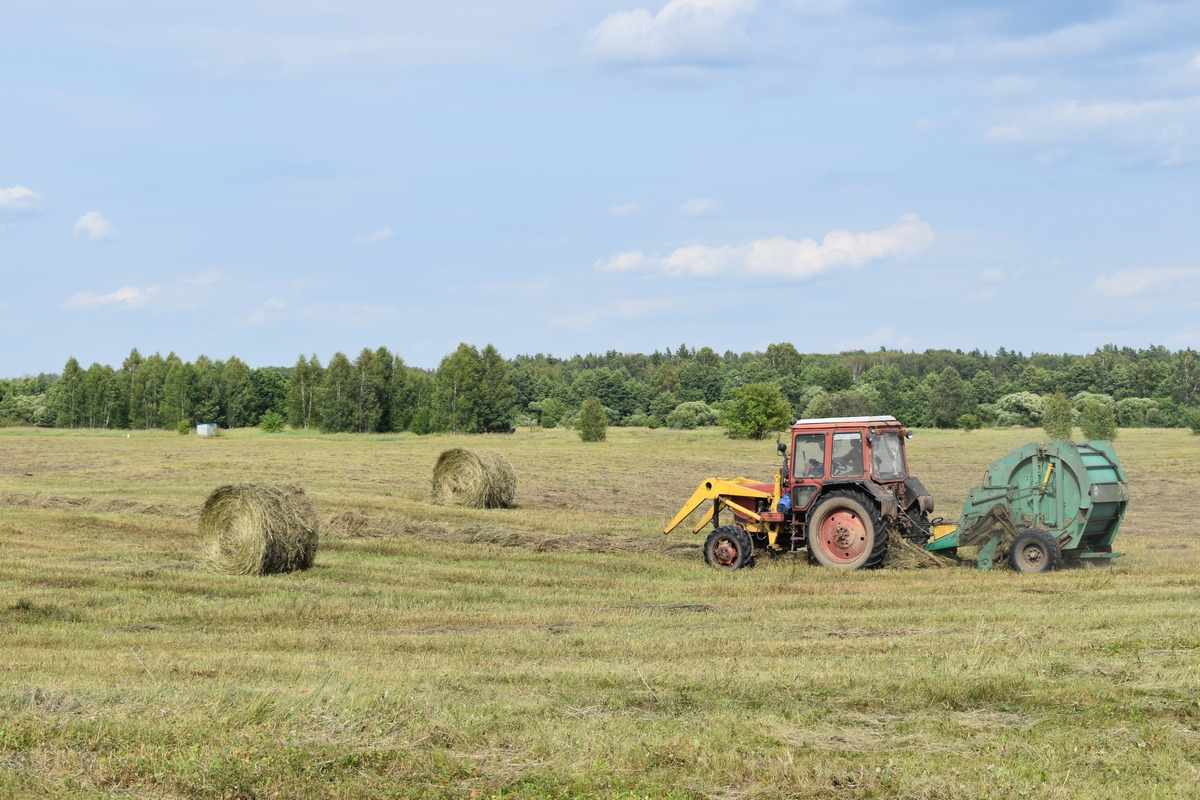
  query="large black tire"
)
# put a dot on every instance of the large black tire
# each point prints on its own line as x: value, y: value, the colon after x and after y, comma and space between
x: 1034, y: 550
x: 728, y: 547
x: 845, y: 532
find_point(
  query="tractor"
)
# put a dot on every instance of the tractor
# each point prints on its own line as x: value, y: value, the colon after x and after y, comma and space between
x: 843, y: 486
x: 844, y: 489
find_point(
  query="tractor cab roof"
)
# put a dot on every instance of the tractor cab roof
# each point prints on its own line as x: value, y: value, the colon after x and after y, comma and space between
x: 848, y: 421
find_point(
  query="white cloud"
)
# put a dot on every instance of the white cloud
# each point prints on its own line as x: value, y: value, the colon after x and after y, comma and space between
x: 992, y: 275
x: 780, y: 257
x: 1157, y: 127
x: 683, y: 31
x: 624, y: 209
x: 378, y: 236
x: 125, y: 297
x: 1130, y: 282
x: 94, y: 227
x: 341, y: 315
x: 20, y: 200
x: 210, y: 275
x: 699, y: 207
x: 625, y: 310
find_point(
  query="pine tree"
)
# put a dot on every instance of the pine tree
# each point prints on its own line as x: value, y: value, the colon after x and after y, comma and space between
x: 457, y: 398
x: 593, y: 422
x: 336, y: 405
x: 498, y: 396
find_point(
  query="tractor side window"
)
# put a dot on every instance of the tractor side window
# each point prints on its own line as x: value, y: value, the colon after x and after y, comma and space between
x: 888, y: 457
x: 808, y: 456
x: 847, y: 461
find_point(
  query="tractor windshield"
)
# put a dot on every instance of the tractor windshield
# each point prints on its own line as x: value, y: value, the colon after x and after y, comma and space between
x: 888, y: 455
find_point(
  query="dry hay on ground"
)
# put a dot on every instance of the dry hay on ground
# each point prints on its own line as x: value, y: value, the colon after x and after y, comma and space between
x: 473, y: 478
x: 259, y: 529
x: 114, y: 505
x: 357, y: 525
x: 575, y: 542
x: 903, y: 554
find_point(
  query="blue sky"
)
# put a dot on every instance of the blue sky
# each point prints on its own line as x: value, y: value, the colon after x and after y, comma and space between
x: 265, y: 179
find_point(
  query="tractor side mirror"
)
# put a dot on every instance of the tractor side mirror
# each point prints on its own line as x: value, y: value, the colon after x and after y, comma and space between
x: 781, y: 447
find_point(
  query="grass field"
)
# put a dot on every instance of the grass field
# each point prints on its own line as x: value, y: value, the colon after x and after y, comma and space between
x: 595, y: 658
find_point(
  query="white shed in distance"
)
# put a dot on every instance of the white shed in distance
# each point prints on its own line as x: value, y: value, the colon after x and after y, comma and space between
x: 206, y: 429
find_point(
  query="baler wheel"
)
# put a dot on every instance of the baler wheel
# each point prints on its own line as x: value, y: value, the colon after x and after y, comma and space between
x: 845, y: 531
x: 1034, y: 550
x: 728, y: 547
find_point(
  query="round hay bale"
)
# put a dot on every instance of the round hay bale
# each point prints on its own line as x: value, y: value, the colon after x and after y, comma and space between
x: 259, y: 529
x: 473, y: 478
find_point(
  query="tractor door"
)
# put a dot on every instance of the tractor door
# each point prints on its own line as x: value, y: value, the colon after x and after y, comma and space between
x: 847, y: 458
x: 808, y: 468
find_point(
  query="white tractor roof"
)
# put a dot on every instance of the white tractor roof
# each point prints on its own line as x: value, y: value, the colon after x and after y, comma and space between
x: 831, y: 420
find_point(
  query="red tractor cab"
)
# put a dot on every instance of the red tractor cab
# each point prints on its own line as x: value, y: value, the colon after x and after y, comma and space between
x: 843, y: 487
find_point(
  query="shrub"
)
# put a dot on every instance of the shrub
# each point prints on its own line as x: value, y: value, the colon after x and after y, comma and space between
x: 969, y: 422
x: 693, y: 414
x: 550, y: 411
x: 422, y: 422
x: 184, y: 427
x: 593, y: 421
x: 755, y: 410
x: 1194, y: 421
x: 848, y: 403
x: 1097, y: 421
x: 1138, y: 412
x: 1056, y: 418
x: 271, y: 422
x: 1020, y: 408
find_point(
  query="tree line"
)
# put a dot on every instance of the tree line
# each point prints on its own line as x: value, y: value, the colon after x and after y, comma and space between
x: 477, y: 390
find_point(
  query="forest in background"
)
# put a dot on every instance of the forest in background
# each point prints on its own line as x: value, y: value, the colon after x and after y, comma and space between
x: 478, y: 391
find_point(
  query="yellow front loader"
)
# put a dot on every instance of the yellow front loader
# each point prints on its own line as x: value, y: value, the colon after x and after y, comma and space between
x: 755, y: 508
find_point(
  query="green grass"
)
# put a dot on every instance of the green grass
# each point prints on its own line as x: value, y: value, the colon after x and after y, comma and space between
x: 417, y: 665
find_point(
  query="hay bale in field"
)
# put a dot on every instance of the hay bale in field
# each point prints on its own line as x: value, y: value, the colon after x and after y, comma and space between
x: 903, y: 554
x: 473, y: 478
x: 259, y: 529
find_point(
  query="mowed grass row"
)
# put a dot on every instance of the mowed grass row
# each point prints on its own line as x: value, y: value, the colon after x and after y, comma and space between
x: 417, y: 665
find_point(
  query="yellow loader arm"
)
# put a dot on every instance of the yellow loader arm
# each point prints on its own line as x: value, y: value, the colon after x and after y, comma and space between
x: 716, y: 489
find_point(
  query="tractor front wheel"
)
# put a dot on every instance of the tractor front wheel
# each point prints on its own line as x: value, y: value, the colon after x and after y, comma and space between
x: 1034, y: 550
x: 845, y: 531
x: 728, y: 547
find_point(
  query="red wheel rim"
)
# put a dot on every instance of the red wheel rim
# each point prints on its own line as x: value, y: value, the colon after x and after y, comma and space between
x: 725, y: 553
x: 842, y: 536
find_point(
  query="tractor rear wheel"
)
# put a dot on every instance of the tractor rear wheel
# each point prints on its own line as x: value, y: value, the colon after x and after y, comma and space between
x: 1034, y: 550
x: 845, y: 531
x: 728, y: 547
